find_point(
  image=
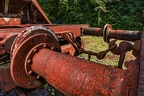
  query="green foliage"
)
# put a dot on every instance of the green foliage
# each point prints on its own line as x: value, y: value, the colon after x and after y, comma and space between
x: 122, y: 14
x: 46, y: 86
x: 53, y: 92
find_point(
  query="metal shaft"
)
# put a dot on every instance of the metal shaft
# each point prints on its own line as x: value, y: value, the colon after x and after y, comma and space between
x: 74, y: 76
x: 125, y: 35
x: 116, y: 34
x: 92, y: 31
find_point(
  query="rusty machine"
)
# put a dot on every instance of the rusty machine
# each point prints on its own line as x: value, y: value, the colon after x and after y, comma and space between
x: 34, y: 52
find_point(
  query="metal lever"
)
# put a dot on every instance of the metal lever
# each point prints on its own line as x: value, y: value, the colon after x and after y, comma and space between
x: 102, y: 54
x: 121, y: 50
x: 121, y: 60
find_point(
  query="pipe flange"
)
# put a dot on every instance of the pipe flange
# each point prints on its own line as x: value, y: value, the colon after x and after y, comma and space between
x: 28, y: 60
x: 18, y: 59
x: 106, y: 30
x: 26, y: 33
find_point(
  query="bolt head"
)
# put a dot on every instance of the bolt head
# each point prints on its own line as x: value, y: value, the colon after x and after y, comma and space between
x: 30, y: 72
x: 52, y: 48
x: 35, y: 50
x: 38, y: 77
x: 45, y: 45
x: 29, y: 61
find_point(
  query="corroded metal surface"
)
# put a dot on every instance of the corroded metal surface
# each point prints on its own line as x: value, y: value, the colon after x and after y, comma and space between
x: 80, y: 77
x: 27, y: 33
x: 33, y: 55
x: 68, y: 49
x: 10, y: 6
x: 107, y: 32
x: 17, y: 60
x: 9, y: 31
x: 10, y: 21
x: 62, y: 70
x: 128, y: 35
x: 133, y: 71
x: 141, y: 76
x: 92, y: 31
x: 69, y: 74
x: 121, y: 50
x: 29, y: 11
x: 76, y: 29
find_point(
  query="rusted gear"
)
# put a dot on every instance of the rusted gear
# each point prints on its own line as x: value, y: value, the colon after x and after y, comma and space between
x: 21, y: 48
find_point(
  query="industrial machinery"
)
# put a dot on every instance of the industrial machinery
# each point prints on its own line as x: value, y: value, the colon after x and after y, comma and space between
x: 34, y: 52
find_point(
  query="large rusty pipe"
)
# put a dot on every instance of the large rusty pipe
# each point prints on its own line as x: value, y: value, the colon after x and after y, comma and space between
x: 75, y: 76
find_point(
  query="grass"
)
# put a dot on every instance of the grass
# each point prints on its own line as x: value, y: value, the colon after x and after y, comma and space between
x: 97, y: 44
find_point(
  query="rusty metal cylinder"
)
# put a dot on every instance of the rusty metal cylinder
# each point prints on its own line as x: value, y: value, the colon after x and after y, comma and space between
x: 115, y: 34
x: 75, y: 76
x: 92, y: 31
x: 125, y: 35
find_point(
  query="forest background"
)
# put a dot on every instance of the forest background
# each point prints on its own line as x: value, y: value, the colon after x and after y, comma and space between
x: 122, y: 14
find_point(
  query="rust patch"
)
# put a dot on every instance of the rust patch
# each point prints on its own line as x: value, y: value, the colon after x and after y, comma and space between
x: 10, y: 21
x: 74, y: 76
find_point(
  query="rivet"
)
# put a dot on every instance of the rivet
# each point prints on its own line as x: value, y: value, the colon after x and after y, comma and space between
x: 30, y: 83
x: 44, y: 45
x: 30, y: 72
x: 52, y: 48
x: 38, y: 77
x: 29, y: 61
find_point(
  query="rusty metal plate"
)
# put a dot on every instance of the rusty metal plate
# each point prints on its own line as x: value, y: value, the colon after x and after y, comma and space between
x: 10, y: 21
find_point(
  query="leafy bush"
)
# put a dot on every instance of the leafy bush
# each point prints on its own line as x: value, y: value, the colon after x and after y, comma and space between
x: 128, y: 14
